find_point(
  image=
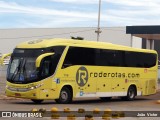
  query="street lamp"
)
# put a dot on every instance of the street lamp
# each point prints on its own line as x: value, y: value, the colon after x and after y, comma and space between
x: 98, y: 31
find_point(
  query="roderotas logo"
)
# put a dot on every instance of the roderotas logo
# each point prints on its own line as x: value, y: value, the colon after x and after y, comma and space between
x: 82, y: 76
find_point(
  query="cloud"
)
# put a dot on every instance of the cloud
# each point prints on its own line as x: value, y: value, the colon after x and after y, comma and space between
x: 135, y: 3
x: 137, y: 12
x: 113, y: 13
x: 76, y: 1
x: 138, y: 9
x: 51, y: 22
x: 117, y: 2
x: 46, y: 17
x: 6, y: 7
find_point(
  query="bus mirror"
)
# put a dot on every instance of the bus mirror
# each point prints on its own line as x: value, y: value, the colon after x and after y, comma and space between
x: 2, y: 59
x: 39, y: 58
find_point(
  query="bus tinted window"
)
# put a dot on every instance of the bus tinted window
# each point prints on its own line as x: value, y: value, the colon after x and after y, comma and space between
x: 149, y: 60
x: 79, y: 56
x: 130, y: 59
x: 110, y: 58
x: 138, y: 59
x: 105, y: 57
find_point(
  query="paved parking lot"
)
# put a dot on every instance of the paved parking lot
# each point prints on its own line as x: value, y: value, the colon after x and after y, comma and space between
x: 2, y: 79
x: 147, y: 103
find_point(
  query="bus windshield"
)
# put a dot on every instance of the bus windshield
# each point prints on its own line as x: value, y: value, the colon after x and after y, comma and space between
x: 22, y: 69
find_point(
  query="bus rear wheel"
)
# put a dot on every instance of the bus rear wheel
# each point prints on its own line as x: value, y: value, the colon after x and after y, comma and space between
x: 37, y: 101
x: 65, y: 96
x: 105, y: 98
x: 130, y: 94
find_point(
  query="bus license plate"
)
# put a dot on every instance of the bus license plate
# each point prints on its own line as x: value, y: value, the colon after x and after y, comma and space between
x: 17, y: 94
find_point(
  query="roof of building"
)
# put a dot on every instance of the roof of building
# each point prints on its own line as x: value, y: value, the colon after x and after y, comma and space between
x: 151, y: 32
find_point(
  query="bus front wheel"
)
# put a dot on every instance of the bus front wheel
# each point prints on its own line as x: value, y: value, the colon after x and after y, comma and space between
x: 130, y: 94
x: 65, y: 96
x: 37, y: 101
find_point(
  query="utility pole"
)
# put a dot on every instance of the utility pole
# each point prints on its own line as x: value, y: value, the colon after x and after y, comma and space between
x: 98, y: 31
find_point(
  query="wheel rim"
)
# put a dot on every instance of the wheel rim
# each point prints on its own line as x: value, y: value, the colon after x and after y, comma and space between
x: 64, y: 96
x: 131, y: 93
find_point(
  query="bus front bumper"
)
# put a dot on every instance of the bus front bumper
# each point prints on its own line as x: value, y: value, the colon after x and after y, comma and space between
x: 32, y: 94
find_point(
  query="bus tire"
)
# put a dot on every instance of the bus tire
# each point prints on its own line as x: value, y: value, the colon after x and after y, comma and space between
x: 37, y: 101
x: 105, y: 98
x: 130, y: 94
x: 65, y: 96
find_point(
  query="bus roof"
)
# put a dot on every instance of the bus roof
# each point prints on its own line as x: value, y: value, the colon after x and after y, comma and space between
x: 44, y: 43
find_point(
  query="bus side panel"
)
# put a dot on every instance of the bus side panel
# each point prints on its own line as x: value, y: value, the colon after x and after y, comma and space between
x: 150, y: 81
x: 149, y: 87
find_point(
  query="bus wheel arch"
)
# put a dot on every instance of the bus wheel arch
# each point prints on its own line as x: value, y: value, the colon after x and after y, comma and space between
x: 131, y: 93
x: 65, y: 95
x: 134, y: 88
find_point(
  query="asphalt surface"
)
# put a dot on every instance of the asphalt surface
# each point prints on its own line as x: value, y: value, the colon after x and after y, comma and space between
x: 143, y: 103
x: 147, y: 103
x: 3, y: 70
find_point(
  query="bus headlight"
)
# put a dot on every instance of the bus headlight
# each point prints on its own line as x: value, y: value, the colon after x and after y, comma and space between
x: 35, y: 87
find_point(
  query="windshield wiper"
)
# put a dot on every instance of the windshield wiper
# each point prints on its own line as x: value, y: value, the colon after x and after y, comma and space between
x: 22, y: 71
x: 16, y: 71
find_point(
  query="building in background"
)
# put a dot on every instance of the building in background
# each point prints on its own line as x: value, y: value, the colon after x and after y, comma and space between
x: 9, y: 38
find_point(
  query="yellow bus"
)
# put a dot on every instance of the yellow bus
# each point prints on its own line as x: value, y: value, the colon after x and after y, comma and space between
x: 64, y: 69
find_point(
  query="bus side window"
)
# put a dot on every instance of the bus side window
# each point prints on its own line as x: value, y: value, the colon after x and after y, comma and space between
x: 79, y: 56
x: 138, y: 59
x: 45, y: 68
x: 130, y: 59
x: 110, y: 58
x: 68, y: 60
x: 49, y: 65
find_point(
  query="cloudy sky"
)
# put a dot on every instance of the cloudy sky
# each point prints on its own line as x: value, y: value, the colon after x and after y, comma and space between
x: 77, y: 13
